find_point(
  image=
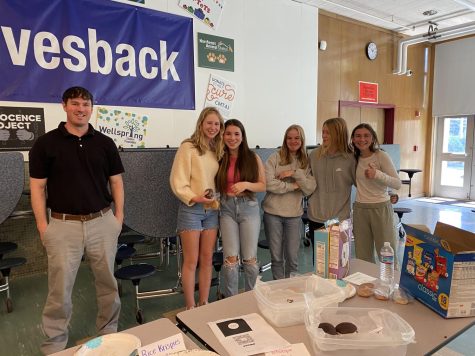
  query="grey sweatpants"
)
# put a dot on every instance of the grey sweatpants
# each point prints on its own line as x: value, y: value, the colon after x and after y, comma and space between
x: 373, y: 225
x: 65, y: 243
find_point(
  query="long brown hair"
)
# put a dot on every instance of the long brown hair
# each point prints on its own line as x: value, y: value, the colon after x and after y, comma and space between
x: 339, y: 137
x: 246, y: 163
x: 374, y: 142
x: 284, y: 153
x: 198, y: 138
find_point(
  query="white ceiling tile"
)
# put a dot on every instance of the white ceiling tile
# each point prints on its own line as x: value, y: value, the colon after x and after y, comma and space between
x: 397, y: 14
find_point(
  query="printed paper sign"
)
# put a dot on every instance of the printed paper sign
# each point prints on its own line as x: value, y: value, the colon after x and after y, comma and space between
x: 215, y: 52
x: 220, y: 94
x: 368, y: 92
x: 20, y: 127
x: 127, y: 129
x: 208, y: 11
x: 247, y: 335
x: 167, y: 346
x: 358, y: 278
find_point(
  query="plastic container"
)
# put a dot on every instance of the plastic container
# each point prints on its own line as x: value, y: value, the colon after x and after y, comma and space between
x: 283, y: 302
x: 379, y: 331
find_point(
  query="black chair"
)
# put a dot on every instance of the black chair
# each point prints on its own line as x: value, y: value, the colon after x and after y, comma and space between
x: 6, y: 264
x: 265, y: 245
x: 218, y: 260
x: 135, y: 273
x: 11, y: 188
x: 306, y: 226
x: 124, y: 252
x: 400, y: 212
x: 6, y: 247
x: 130, y: 239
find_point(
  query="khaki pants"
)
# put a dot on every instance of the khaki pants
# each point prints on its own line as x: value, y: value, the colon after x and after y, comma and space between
x: 373, y: 225
x: 66, y: 241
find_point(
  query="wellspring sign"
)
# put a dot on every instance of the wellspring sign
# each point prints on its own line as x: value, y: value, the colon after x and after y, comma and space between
x: 125, y: 55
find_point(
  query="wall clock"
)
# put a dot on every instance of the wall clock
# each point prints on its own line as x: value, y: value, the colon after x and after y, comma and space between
x: 371, y: 50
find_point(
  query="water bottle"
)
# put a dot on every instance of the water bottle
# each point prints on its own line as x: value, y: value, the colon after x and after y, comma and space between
x: 386, y: 264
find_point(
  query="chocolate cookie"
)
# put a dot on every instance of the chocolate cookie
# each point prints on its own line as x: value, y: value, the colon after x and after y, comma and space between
x: 346, y: 328
x: 327, y: 328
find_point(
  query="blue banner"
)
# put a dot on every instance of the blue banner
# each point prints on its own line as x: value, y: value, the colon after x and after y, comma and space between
x: 125, y: 55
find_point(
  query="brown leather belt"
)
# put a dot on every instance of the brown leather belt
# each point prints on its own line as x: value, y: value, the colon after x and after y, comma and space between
x: 74, y: 217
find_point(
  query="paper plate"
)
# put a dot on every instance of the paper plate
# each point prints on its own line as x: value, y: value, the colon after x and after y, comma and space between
x: 119, y: 344
x: 195, y: 352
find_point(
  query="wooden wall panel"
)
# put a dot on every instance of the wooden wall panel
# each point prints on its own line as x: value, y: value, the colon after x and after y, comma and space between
x: 327, y: 110
x: 352, y: 117
x: 328, y: 72
x: 374, y: 117
x: 344, y: 63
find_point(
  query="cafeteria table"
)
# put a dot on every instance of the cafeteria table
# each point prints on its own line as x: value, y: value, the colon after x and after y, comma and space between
x: 147, y: 333
x: 430, y: 328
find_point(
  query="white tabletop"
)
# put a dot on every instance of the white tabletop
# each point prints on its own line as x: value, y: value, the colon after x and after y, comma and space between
x: 430, y: 328
x: 147, y: 333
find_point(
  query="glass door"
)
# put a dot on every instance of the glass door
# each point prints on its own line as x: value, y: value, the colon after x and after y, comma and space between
x: 454, y: 157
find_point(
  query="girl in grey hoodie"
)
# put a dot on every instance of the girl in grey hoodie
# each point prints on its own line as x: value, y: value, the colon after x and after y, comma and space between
x: 333, y: 167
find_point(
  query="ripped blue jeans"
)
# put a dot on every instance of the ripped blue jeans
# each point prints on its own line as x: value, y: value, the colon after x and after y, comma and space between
x: 240, y: 224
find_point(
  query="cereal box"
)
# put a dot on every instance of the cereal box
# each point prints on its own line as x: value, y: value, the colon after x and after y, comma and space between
x: 332, y: 250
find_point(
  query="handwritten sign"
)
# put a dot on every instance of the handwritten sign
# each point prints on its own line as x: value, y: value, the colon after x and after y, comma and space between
x: 220, y: 94
x: 167, y: 346
x: 292, y: 350
x: 208, y: 11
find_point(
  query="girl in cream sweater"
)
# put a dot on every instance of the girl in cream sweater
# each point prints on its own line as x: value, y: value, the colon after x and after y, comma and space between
x: 192, y: 180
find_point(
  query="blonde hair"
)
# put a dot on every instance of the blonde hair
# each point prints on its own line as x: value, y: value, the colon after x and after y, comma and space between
x: 339, y: 139
x: 284, y: 153
x: 198, y: 139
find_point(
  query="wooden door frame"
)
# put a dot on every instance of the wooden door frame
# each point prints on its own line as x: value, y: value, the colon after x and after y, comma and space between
x: 389, y: 110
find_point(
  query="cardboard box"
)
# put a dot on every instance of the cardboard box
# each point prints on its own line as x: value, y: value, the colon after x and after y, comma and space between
x: 332, y: 250
x: 439, y: 269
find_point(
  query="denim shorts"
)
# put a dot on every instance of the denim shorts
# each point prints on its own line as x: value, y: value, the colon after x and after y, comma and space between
x: 196, y: 218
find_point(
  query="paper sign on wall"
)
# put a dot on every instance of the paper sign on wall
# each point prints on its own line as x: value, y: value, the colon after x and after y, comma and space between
x: 208, y: 11
x: 20, y: 127
x: 368, y: 92
x: 215, y: 52
x: 220, y: 94
x: 127, y: 129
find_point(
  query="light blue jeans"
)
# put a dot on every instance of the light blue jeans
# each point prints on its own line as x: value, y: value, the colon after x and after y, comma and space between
x: 240, y: 224
x: 283, y: 236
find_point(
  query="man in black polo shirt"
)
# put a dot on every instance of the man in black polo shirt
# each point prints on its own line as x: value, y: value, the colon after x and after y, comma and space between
x: 70, y: 170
